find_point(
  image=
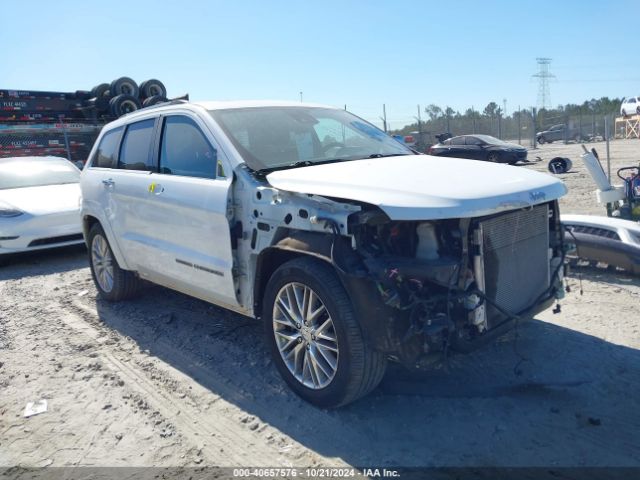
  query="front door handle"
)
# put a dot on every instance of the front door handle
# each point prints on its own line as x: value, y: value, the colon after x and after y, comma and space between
x: 108, y: 183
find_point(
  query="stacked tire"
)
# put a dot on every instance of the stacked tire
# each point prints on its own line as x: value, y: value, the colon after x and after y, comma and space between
x: 124, y: 95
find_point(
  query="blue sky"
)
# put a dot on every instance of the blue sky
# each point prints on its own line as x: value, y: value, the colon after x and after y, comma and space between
x: 358, y: 53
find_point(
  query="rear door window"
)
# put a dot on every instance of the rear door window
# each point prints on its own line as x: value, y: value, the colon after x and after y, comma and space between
x: 107, y: 149
x: 135, y: 153
x: 185, y: 150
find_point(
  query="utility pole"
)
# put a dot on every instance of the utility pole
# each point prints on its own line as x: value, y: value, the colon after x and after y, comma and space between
x: 543, y: 76
x: 300, y: 97
x: 384, y: 117
x: 504, y: 107
x: 519, y: 126
x: 419, y: 118
x: 533, y: 130
x: 473, y: 117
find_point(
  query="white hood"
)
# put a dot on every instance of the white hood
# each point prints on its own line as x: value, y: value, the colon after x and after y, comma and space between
x: 43, y: 200
x: 421, y: 187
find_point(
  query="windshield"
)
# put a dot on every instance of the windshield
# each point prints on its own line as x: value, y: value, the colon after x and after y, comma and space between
x: 269, y: 138
x: 491, y: 140
x: 20, y: 173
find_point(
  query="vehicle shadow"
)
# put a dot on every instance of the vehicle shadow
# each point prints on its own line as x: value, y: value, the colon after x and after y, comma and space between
x: 43, y: 262
x: 542, y: 395
x: 612, y: 275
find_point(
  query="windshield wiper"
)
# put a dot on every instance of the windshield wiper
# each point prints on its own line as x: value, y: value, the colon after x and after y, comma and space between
x: 383, y: 155
x: 301, y: 163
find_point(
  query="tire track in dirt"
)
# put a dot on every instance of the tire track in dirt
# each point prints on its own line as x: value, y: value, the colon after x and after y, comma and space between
x: 224, y: 436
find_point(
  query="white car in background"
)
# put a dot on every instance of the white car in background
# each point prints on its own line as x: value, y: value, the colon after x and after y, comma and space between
x: 39, y: 204
x: 630, y: 106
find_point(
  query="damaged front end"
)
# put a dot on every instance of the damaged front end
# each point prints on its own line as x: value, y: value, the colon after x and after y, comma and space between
x: 421, y: 288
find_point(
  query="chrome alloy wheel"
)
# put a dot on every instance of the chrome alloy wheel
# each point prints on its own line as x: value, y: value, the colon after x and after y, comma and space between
x: 305, y: 335
x: 102, y: 263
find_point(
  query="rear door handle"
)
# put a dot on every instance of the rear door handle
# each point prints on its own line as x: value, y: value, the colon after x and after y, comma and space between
x: 108, y: 183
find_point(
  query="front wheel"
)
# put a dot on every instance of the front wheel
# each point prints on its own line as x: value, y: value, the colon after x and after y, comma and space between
x: 314, y: 337
x: 493, y: 157
x: 541, y: 140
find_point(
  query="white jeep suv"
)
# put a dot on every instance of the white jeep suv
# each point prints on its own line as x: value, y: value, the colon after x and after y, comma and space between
x: 352, y: 249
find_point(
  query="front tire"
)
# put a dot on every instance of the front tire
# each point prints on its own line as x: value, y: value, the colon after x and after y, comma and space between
x: 541, y: 140
x: 314, y: 337
x: 112, y: 282
x: 493, y: 157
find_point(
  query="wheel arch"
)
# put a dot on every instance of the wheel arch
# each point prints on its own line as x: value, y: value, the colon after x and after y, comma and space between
x: 88, y: 221
x: 294, y: 245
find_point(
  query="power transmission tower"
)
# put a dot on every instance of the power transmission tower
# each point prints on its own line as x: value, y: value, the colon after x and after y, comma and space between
x: 543, y: 76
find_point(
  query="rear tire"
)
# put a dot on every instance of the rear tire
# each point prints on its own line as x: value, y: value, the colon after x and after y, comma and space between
x: 112, y: 282
x: 100, y: 90
x: 124, y: 86
x: 344, y: 366
x: 123, y: 104
x: 154, y: 100
x: 152, y: 88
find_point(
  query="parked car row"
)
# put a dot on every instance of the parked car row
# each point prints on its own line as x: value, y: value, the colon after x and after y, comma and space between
x: 480, y: 147
x: 349, y: 246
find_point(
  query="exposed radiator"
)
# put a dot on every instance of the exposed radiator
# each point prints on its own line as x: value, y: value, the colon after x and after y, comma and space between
x: 515, y: 250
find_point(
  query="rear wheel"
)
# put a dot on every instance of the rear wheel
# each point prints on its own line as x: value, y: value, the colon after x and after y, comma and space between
x: 124, y: 86
x: 113, y: 283
x: 123, y: 104
x: 314, y: 336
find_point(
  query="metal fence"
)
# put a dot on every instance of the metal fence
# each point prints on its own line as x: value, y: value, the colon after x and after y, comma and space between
x: 519, y: 127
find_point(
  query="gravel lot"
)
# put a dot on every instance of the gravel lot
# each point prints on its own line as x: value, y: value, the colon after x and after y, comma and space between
x: 167, y: 380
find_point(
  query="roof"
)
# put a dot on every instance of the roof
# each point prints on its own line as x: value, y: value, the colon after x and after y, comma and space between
x: 221, y: 105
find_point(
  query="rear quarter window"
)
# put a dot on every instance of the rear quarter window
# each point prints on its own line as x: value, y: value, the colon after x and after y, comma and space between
x: 135, y: 152
x: 107, y: 149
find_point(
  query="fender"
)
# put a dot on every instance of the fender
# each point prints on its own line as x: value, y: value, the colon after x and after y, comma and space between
x: 97, y: 214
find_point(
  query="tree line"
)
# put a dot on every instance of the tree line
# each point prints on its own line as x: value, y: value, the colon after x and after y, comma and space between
x: 491, y: 120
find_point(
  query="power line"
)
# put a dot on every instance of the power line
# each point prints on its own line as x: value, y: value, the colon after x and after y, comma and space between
x: 543, y: 76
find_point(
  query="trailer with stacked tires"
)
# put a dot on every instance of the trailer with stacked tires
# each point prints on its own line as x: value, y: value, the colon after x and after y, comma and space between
x: 37, y: 123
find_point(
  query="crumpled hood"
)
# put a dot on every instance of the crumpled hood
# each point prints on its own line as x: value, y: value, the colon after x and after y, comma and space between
x: 421, y: 187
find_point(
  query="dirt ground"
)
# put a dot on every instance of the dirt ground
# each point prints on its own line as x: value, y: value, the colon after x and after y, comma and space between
x: 167, y: 380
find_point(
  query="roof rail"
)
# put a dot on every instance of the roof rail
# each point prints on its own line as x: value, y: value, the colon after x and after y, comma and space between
x: 171, y: 101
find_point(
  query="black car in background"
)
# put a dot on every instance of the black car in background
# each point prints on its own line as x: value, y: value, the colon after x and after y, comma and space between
x: 480, y: 147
